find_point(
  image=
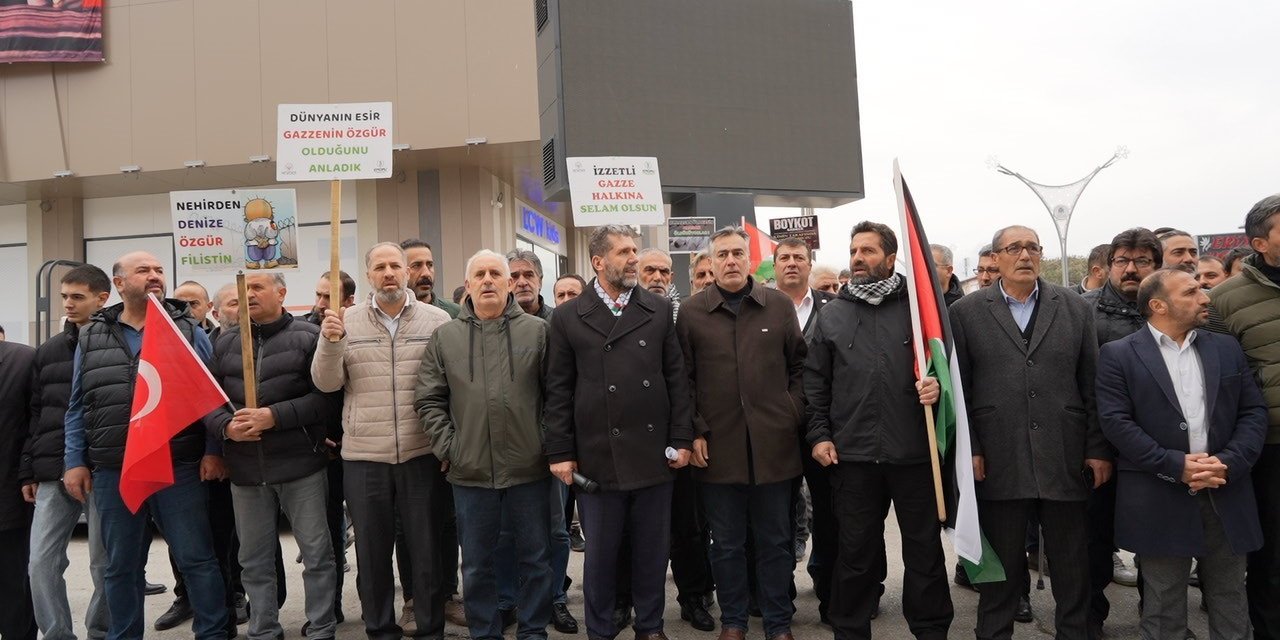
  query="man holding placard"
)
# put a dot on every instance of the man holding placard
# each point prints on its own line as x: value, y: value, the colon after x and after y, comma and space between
x: 372, y: 352
x: 276, y: 456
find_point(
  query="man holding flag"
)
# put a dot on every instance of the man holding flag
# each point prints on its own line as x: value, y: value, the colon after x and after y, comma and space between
x: 867, y: 426
x: 141, y: 451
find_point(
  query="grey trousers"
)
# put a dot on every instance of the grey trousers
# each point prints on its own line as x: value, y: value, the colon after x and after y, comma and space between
x: 1164, y: 608
x: 55, y: 519
x: 257, y: 510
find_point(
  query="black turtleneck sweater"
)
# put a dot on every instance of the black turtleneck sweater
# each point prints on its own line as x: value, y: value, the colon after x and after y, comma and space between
x: 1271, y: 273
x: 733, y: 299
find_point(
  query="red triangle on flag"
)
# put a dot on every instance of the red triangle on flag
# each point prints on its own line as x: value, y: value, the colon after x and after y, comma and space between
x: 173, y: 389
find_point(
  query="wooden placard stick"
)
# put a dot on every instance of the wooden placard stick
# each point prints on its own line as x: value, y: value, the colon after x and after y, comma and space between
x: 246, y: 346
x: 335, y: 246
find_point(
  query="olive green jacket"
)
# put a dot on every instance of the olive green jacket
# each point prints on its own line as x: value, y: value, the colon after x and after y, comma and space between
x: 1249, y: 306
x: 480, y: 394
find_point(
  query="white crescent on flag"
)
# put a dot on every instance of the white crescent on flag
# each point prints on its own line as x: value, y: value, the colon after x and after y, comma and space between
x: 154, y: 389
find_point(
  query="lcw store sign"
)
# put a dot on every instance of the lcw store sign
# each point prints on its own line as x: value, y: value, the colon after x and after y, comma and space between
x: 540, y: 229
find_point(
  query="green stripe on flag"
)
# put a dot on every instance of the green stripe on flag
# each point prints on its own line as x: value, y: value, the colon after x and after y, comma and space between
x: 939, y: 368
x: 989, y: 571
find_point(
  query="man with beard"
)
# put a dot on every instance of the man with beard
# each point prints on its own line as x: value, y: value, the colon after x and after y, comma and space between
x: 987, y: 271
x: 225, y: 308
x: 526, y: 276
x: 793, y: 264
x: 1027, y: 352
x: 422, y: 275
x: 568, y: 287
x: 1180, y: 251
x: 324, y: 290
x: 372, y: 352
x: 943, y: 263
x: 97, y: 426
x: 700, y: 275
x: 617, y: 397
x: 867, y: 427
x: 197, y: 298
x: 655, y: 275
x: 1134, y: 255
x: 1186, y: 415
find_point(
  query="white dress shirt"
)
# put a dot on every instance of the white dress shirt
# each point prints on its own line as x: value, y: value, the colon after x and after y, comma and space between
x: 1183, y: 363
x: 805, y: 308
x: 390, y: 322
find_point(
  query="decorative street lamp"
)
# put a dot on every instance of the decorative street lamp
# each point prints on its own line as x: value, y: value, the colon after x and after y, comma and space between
x: 1061, y: 200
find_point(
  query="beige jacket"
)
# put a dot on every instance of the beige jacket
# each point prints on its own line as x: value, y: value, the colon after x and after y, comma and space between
x: 379, y: 376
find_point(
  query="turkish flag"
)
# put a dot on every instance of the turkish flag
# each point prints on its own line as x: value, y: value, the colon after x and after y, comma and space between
x: 173, y: 390
x: 761, y: 245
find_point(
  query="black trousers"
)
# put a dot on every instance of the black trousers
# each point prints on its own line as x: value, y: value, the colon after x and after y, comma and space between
x: 1065, y: 539
x: 448, y: 547
x: 690, y: 566
x: 385, y: 490
x: 1102, y: 543
x: 17, y: 618
x: 646, y: 513
x: 1263, y: 580
x: 823, y: 531
x: 862, y: 492
x: 334, y: 517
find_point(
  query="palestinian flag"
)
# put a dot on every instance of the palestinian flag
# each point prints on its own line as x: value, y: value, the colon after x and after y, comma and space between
x: 760, y: 247
x: 935, y: 355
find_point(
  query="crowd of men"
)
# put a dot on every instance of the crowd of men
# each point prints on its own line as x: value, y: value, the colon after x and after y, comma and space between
x: 709, y: 433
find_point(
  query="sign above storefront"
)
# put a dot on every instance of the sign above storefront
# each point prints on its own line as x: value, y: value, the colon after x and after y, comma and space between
x: 540, y: 229
x: 333, y: 141
x: 615, y: 190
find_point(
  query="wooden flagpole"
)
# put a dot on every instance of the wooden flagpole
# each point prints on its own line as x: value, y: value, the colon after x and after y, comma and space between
x: 246, y: 346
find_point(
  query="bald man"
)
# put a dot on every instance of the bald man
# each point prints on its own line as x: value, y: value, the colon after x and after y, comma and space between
x: 97, y: 424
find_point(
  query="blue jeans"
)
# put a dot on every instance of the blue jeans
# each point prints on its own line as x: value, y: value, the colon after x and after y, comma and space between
x: 181, y: 513
x: 55, y: 520
x: 765, y: 510
x: 506, y: 552
x: 481, y: 513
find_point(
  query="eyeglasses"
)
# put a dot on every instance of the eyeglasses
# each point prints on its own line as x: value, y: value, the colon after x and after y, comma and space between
x: 993, y: 271
x: 1140, y: 263
x: 1016, y: 250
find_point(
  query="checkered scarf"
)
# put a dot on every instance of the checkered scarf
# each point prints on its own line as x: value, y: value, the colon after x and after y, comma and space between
x: 874, y: 293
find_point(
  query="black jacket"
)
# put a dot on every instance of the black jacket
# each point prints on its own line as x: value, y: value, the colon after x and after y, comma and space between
x: 859, y: 380
x: 50, y: 393
x: 107, y: 374
x: 617, y: 392
x: 15, y: 420
x: 294, y: 448
x: 953, y: 291
x: 1113, y: 316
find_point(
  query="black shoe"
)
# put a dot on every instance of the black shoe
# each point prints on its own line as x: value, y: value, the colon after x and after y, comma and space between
x: 177, y: 614
x: 697, y: 616
x: 562, y: 620
x: 508, y: 617
x: 153, y: 589
x: 242, y: 609
x: 576, y: 542
x: 962, y: 578
x: 622, y: 617
x: 1023, y: 614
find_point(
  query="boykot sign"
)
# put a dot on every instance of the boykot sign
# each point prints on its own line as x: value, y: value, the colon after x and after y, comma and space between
x: 804, y: 228
x: 1219, y: 244
x: 333, y: 141
x: 615, y: 190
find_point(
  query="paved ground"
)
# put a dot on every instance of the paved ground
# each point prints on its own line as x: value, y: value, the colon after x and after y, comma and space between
x: 1122, y: 623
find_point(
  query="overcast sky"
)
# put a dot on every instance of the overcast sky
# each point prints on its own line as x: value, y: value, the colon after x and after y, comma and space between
x: 1051, y: 90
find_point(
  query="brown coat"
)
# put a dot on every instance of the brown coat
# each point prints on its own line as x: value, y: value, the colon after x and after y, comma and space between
x: 746, y: 372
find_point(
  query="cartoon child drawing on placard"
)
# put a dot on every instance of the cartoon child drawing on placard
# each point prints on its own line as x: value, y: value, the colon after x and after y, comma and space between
x: 261, y: 236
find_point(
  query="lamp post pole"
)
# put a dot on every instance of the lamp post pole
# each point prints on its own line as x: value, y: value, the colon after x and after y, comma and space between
x: 1061, y: 200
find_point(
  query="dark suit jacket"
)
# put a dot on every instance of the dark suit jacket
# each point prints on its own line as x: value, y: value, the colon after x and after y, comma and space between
x: 820, y: 299
x: 1031, y: 405
x: 1141, y: 416
x: 617, y: 392
x: 747, y: 372
x: 16, y: 362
